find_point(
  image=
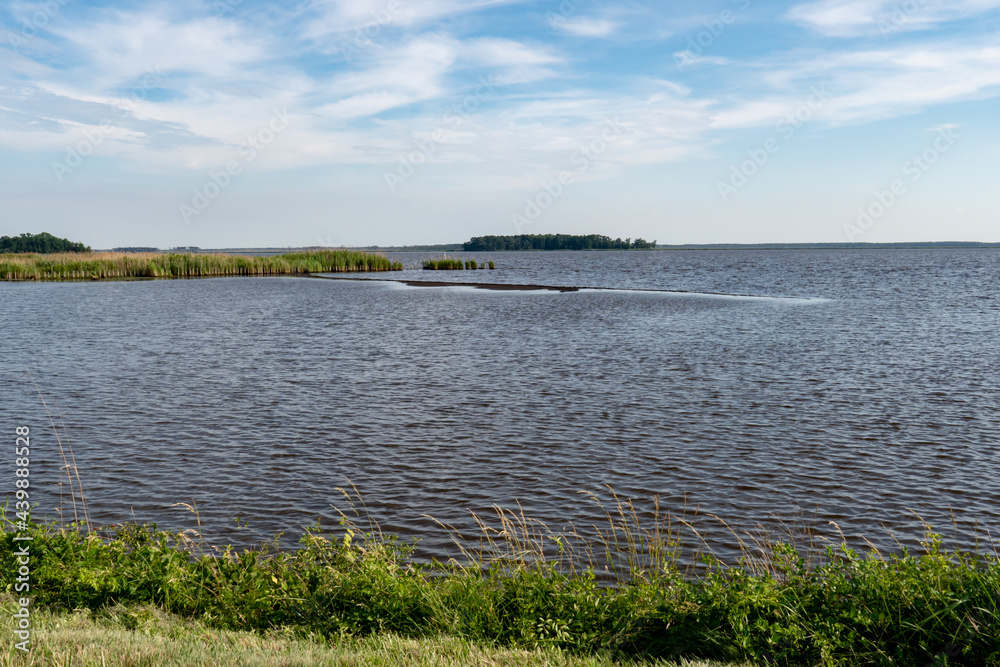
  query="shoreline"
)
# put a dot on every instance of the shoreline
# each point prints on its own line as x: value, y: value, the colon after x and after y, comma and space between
x: 517, y: 592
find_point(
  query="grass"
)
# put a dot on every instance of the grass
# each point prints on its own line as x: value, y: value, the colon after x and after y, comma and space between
x: 519, y: 589
x: 143, y: 635
x: 450, y: 264
x: 443, y: 264
x: 97, y: 266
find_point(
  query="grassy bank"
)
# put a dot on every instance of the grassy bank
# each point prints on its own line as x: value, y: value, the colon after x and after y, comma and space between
x: 521, y: 588
x: 96, y: 266
x: 134, y: 636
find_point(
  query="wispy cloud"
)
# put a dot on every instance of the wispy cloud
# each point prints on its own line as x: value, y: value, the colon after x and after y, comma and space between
x: 851, y: 18
x: 552, y: 85
x: 223, y: 74
x: 876, y: 84
x: 339, y: 17
x: 118, y: 44
x: 587, y: 27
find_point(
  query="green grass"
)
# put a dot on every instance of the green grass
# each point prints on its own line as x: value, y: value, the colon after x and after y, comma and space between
x: 516, y: 587
x: 142, y: 635
x: 96, y: 266
x: 443, y: 264
x: 450, y: 264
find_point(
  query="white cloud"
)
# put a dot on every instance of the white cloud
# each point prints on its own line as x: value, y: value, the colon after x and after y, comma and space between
x: 494, y: 52
x: 417, y: 65
x: 587, y: 27
x: 862, y: 86
x: 510, y: 61
x: 339, y: 17
x: 228, y: 75
x: 836, y: 17
x: 752, y: 113
x: 877, y: 84
x: 850, y: 18
x: 121, y: 44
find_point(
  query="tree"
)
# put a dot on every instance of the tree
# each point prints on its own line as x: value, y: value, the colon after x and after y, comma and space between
x: 553, y: 242
x: 40, y: 243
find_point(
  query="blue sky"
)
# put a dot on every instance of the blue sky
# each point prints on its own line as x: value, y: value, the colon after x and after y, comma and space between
x: 245, y: 123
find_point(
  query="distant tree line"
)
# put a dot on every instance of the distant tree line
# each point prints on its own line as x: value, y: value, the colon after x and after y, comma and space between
x: 42, y: 243
x: 554, y: 242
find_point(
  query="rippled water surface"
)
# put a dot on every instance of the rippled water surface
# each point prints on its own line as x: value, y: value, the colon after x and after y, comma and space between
x: 853, y: 387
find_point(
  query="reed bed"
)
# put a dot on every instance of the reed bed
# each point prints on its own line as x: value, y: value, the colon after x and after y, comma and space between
x: 99, y: 266
x: 443, y: 264
x: 451, y: 264
x: 623, y: 591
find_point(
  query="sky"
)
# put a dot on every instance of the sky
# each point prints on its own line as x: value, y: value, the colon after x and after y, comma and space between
x: 241, y: 123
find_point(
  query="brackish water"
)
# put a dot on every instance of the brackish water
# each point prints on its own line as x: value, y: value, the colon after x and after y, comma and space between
x: 845, y: 385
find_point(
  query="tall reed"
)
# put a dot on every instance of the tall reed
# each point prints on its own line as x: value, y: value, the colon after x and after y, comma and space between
x: 96, y: 266
x: 81, y: 516
x: 444, y: 264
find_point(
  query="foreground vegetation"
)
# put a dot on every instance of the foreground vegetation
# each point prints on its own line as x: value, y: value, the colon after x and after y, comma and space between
x: 40, y: 243
x: 96, y: 266
x: 554, y: 242
x: 142, y: 635
x: 519, y: 587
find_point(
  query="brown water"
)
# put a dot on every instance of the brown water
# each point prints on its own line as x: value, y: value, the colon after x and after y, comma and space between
x: 846, y: 386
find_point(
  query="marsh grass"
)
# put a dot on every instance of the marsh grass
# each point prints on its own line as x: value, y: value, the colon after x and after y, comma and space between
x: 97, y: 266
x: 77, y: 498
x: 639, y: 584
x: 444, y: 264
x: 452, y: 264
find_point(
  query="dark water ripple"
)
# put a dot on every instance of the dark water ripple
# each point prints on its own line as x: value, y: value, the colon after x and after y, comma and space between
x: 872, y: 393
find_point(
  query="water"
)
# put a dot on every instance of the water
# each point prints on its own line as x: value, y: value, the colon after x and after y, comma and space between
x: 846, y: 386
